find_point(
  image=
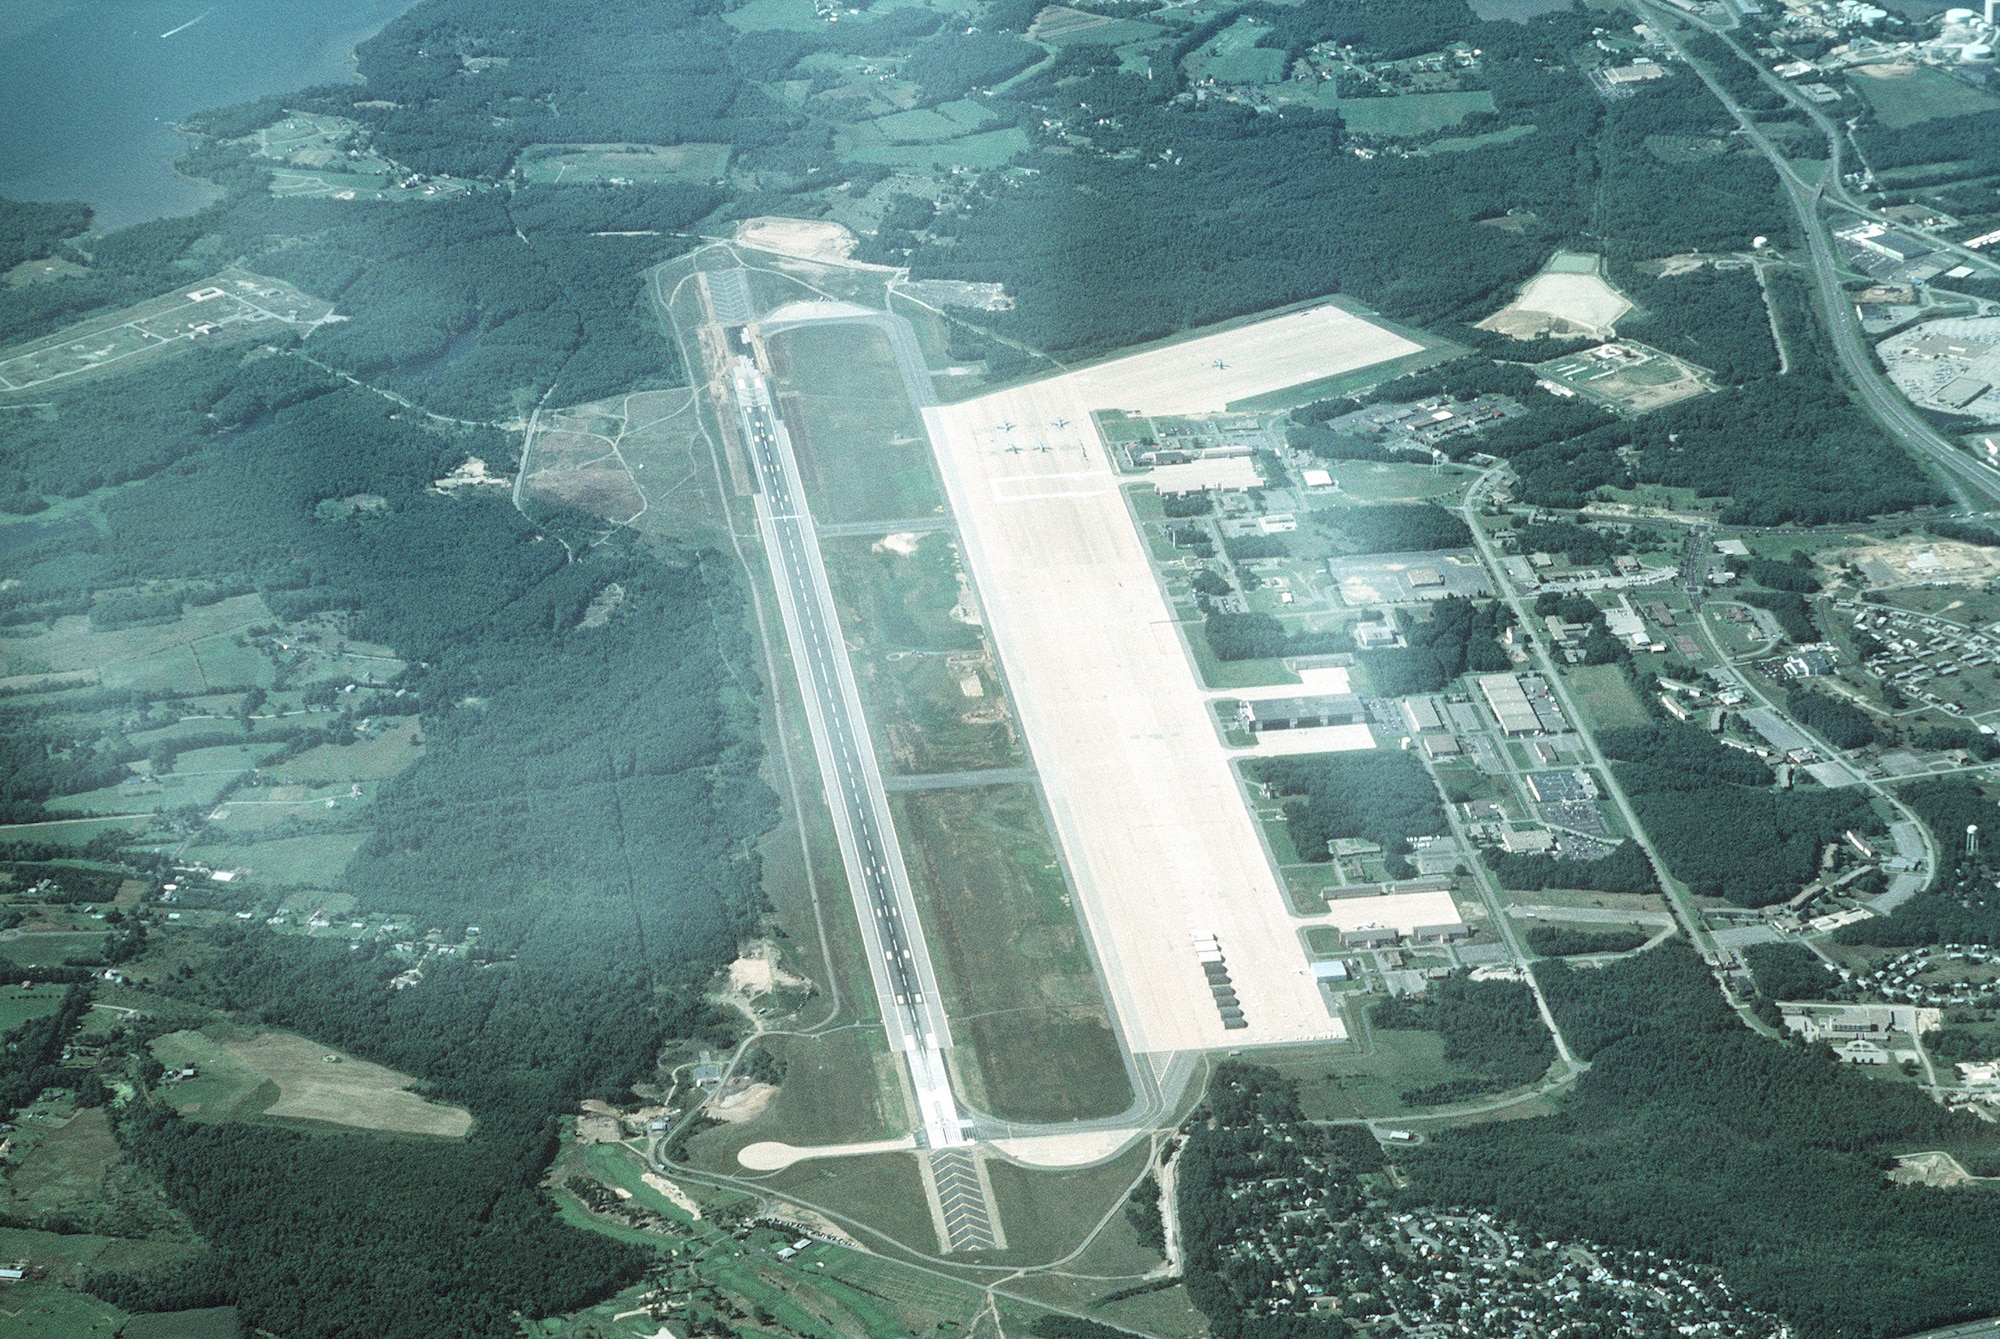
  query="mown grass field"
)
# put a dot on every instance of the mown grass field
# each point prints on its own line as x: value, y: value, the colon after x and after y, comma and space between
x: 1411, y: 113
x: 1603, y: 692
x: 860, y: 444
x: 243, y: 1075
x: 1922, y: 95
x: 286, y: 860
x: 19, y: 1003
x: 1012, y: 959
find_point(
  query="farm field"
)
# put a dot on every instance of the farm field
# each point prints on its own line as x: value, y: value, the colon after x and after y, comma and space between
x: 860, y: 444
x: 317, y: 156
x: 285, y: 860
x: 873, y: 144
x: 193, y: 653
x: 1905, y: 95
x: 1410, y: 113
x: 1060, y: 26
x: 1011, y: 958
x: 53, y: 1307
x: 20, y: 1003
x: 49, y: 948
x: 246, y: 1075
x: 590, y: 164
x: 1233, y: 56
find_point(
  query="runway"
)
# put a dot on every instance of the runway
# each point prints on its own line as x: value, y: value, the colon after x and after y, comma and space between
x: 912, y: 1006
x: 1167, y: 860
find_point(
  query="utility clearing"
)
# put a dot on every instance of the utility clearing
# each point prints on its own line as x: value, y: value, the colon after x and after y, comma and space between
x: 1568, y: 298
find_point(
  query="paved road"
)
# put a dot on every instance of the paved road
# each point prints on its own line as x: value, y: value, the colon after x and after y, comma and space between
x: 912, y: 1009
x: 1973, y: 483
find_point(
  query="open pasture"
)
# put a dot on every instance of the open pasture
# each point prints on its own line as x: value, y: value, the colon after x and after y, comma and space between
x: 72, y: 646
x: 1905, y: 95
x: 593, y: 164
x: 872, y: 144
x: 1060, y: 26
x: 1409, y: 114
x: 20, y: 1003
x: 282, y: 1076
x: 316, y: 859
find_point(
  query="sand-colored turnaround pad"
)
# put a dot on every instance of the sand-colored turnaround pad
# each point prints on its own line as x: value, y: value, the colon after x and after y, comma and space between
x: 772, y: 1155
x: 1157, y: 835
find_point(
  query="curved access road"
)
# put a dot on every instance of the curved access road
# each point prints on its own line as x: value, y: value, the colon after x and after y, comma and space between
x: 1972, y: 483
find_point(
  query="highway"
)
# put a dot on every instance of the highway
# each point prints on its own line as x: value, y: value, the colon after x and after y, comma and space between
x: 912, y: 1008
x: 1972, y: 482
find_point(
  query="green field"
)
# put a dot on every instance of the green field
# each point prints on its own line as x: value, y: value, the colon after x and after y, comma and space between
x: 1011, y: 957
x: 1467, y: 143
x: 51, y: 949
x: 286, y: 860
x: 993, y: 148
x: 1233, y: 56
x: 927, y: 678
x: 861, y: 446
x: 590, y: 164
x: 1924, y: 94
x: 1370, y: 1084
x: 72, y: 831
x: 224, y: 1088
x: 1411, y: 113
x: 1604, y: 693
x: 18, y: 1004
x: 951, y: 120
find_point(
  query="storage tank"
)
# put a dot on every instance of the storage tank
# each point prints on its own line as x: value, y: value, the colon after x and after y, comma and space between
x: 1973, y: 52
x: 1959, y: 16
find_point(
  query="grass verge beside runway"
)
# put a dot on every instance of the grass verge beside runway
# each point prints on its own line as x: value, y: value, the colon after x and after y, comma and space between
x: 860, y: 444
x: 1020, y: 987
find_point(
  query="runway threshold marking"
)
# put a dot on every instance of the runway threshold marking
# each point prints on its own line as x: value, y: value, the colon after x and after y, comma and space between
x: 960, y: 1194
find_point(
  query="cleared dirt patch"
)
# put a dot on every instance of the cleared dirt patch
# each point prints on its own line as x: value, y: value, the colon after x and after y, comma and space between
x: 814, y: 239
x: 745, y: 1105
x: 1915, y: 561
x: 1937, y: 1169
x: 1554, y: 303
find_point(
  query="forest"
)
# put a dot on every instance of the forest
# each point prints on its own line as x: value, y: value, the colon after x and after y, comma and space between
x: 1564, y: 941
x: 1836, y: 720
x: 1962, y: 904
x: 1491, y: 1028
x: 1461, y: 636
x: 1694, y: 1136
x: 588, y: 796
x: 1383, y: 797
x: 1625, y: 870
x: 1711, y: 813
x: 1394, y: 527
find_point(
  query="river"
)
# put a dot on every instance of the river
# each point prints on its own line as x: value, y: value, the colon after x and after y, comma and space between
x: 90, y: 89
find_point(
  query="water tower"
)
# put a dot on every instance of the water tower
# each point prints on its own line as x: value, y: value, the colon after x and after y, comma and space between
x: 1972, y: 839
